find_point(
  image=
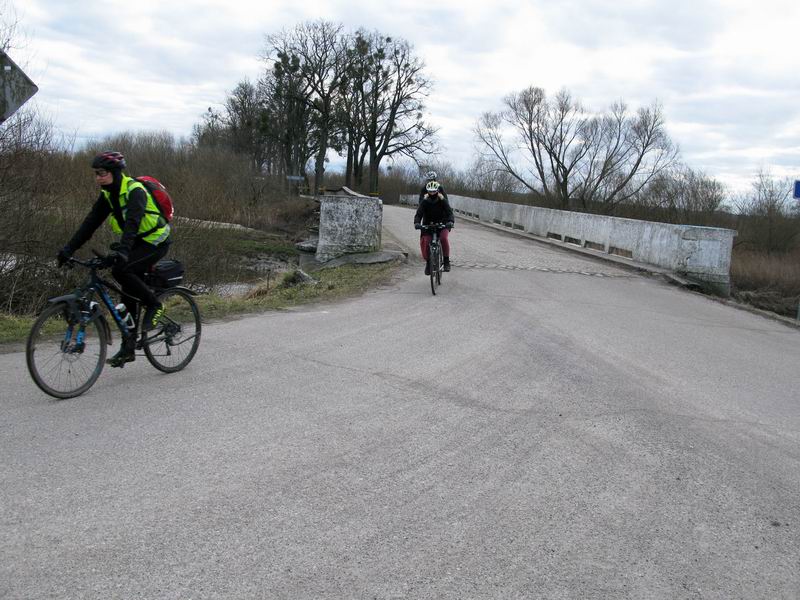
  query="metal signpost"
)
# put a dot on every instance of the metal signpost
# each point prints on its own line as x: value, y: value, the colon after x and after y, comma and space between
x: 797, y: 197
x: 297, y: 182
x: 17, y: 88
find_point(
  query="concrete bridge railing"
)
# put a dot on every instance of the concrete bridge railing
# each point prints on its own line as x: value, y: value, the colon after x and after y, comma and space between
x: 702, y: 254
x: 349, y: 223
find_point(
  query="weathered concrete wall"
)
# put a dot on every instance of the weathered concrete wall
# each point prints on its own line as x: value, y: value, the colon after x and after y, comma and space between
x: 700, y: 253
x: 348, y: 223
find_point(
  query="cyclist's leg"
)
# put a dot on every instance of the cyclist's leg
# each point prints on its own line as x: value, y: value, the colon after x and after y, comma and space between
x: 445, y: 243
x: 424, y: 246
x: 130, y: 275
x: 444, y: 240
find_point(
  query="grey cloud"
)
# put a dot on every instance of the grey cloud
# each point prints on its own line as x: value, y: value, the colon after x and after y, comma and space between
x: 188, y: 77
x: 745, y: 119
x: 686, y: 24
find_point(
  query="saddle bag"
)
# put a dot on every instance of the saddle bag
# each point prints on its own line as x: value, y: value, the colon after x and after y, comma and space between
x: 166, y: 273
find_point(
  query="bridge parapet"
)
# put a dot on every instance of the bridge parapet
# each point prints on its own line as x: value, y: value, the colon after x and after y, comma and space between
x: 702, y: 254
x: 349, y: 223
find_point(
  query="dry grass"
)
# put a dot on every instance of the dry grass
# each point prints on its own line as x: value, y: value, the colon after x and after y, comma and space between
x: 767, y: 281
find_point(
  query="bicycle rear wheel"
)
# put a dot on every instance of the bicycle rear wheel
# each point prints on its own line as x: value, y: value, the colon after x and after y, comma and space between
x: 173, y: 343
x: 63, y: 360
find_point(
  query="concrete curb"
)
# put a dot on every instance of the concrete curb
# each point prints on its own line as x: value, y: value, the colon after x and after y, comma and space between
x: 308, y: 261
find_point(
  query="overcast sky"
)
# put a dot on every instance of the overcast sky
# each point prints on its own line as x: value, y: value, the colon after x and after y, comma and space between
x: 726, y: 73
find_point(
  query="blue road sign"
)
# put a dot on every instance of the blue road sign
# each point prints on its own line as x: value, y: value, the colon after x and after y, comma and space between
x: 797, y: 189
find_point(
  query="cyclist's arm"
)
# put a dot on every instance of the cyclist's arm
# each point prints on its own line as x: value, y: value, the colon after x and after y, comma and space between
x: 450, y: 216
x: 420, y: 212
x: 137, y: 203
x: 93, y: 220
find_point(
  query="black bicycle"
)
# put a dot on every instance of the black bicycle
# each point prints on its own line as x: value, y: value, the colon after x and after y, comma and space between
x: 435, y: 257
x: 67, y: 345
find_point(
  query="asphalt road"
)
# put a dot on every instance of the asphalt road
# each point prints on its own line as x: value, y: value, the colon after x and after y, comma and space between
x: 548, y: 426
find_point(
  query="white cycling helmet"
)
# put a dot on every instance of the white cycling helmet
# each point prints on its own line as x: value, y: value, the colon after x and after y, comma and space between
x: 430, y: 175
x: 432, y: 187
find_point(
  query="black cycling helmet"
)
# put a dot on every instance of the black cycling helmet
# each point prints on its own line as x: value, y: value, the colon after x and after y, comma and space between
x: 110, y: 161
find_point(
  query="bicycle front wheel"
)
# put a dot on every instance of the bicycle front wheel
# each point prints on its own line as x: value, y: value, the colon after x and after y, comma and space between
x: 173, y: 343
x: 433, y: 259
x: 65, y: 359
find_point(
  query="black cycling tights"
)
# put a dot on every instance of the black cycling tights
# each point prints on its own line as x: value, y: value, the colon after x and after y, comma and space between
x: 142, y: 257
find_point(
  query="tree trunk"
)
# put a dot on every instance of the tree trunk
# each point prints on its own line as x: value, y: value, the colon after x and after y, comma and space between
x: 358, y: 170
x: 348, y: 171
x: 319, y: 163
x: 374, y: 166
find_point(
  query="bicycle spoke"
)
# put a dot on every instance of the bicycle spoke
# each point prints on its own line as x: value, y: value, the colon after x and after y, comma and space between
x: 168, y: 349
x: 54, y: 362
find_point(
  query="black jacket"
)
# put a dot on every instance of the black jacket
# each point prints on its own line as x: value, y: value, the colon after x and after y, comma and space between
x: 434, y: 210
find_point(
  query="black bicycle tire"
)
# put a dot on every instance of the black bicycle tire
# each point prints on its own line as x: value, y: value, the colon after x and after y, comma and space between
x: 439, y: 267
x: 432, y: 260
x: 155, y: 336
x: 30, y: 353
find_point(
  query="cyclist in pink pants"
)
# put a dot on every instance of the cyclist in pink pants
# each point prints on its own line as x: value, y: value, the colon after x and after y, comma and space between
x: 434, y: 208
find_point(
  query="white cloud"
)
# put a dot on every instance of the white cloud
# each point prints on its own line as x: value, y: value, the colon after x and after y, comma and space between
x: 725, y: 71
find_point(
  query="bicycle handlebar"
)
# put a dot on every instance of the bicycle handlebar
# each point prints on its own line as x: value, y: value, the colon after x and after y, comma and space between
x: 99, y: 262
x: 436, y: 226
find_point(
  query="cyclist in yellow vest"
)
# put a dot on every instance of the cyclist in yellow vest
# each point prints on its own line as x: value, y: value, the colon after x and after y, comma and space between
x: 144, y: 240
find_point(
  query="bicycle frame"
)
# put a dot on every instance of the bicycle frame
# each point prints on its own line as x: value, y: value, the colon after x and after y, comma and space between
x: 434, y: 252
x: 434, y: 246
x: 434, y: 229
x: 98, y: 286
x: 84, y: 296
x: 66, y: 348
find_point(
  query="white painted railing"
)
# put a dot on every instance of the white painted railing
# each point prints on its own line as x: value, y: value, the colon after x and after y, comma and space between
x: 702, y: 254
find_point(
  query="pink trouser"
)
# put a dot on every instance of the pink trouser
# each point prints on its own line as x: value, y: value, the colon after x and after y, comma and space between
x: 425, y: 240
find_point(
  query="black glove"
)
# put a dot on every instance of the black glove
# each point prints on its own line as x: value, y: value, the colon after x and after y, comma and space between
x: 449, y: 225
x: 63, y: 256
x: 417, y: 226
x: 118, y: 255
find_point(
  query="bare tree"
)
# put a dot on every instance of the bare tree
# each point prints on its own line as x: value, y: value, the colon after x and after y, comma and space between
x: 485, y: 179
x: 211, y: 131
x: 9, y: 27
x: 322, y: 54
x: 393, y: 91
x: 568, y: 153
x: 28, y: 190
x: 765, y: 214
x: 287, y: 117
x: 685, y: 194
x: 350, y: 113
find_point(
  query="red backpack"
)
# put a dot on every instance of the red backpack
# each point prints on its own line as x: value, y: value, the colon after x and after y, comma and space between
x: 160, y: 194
